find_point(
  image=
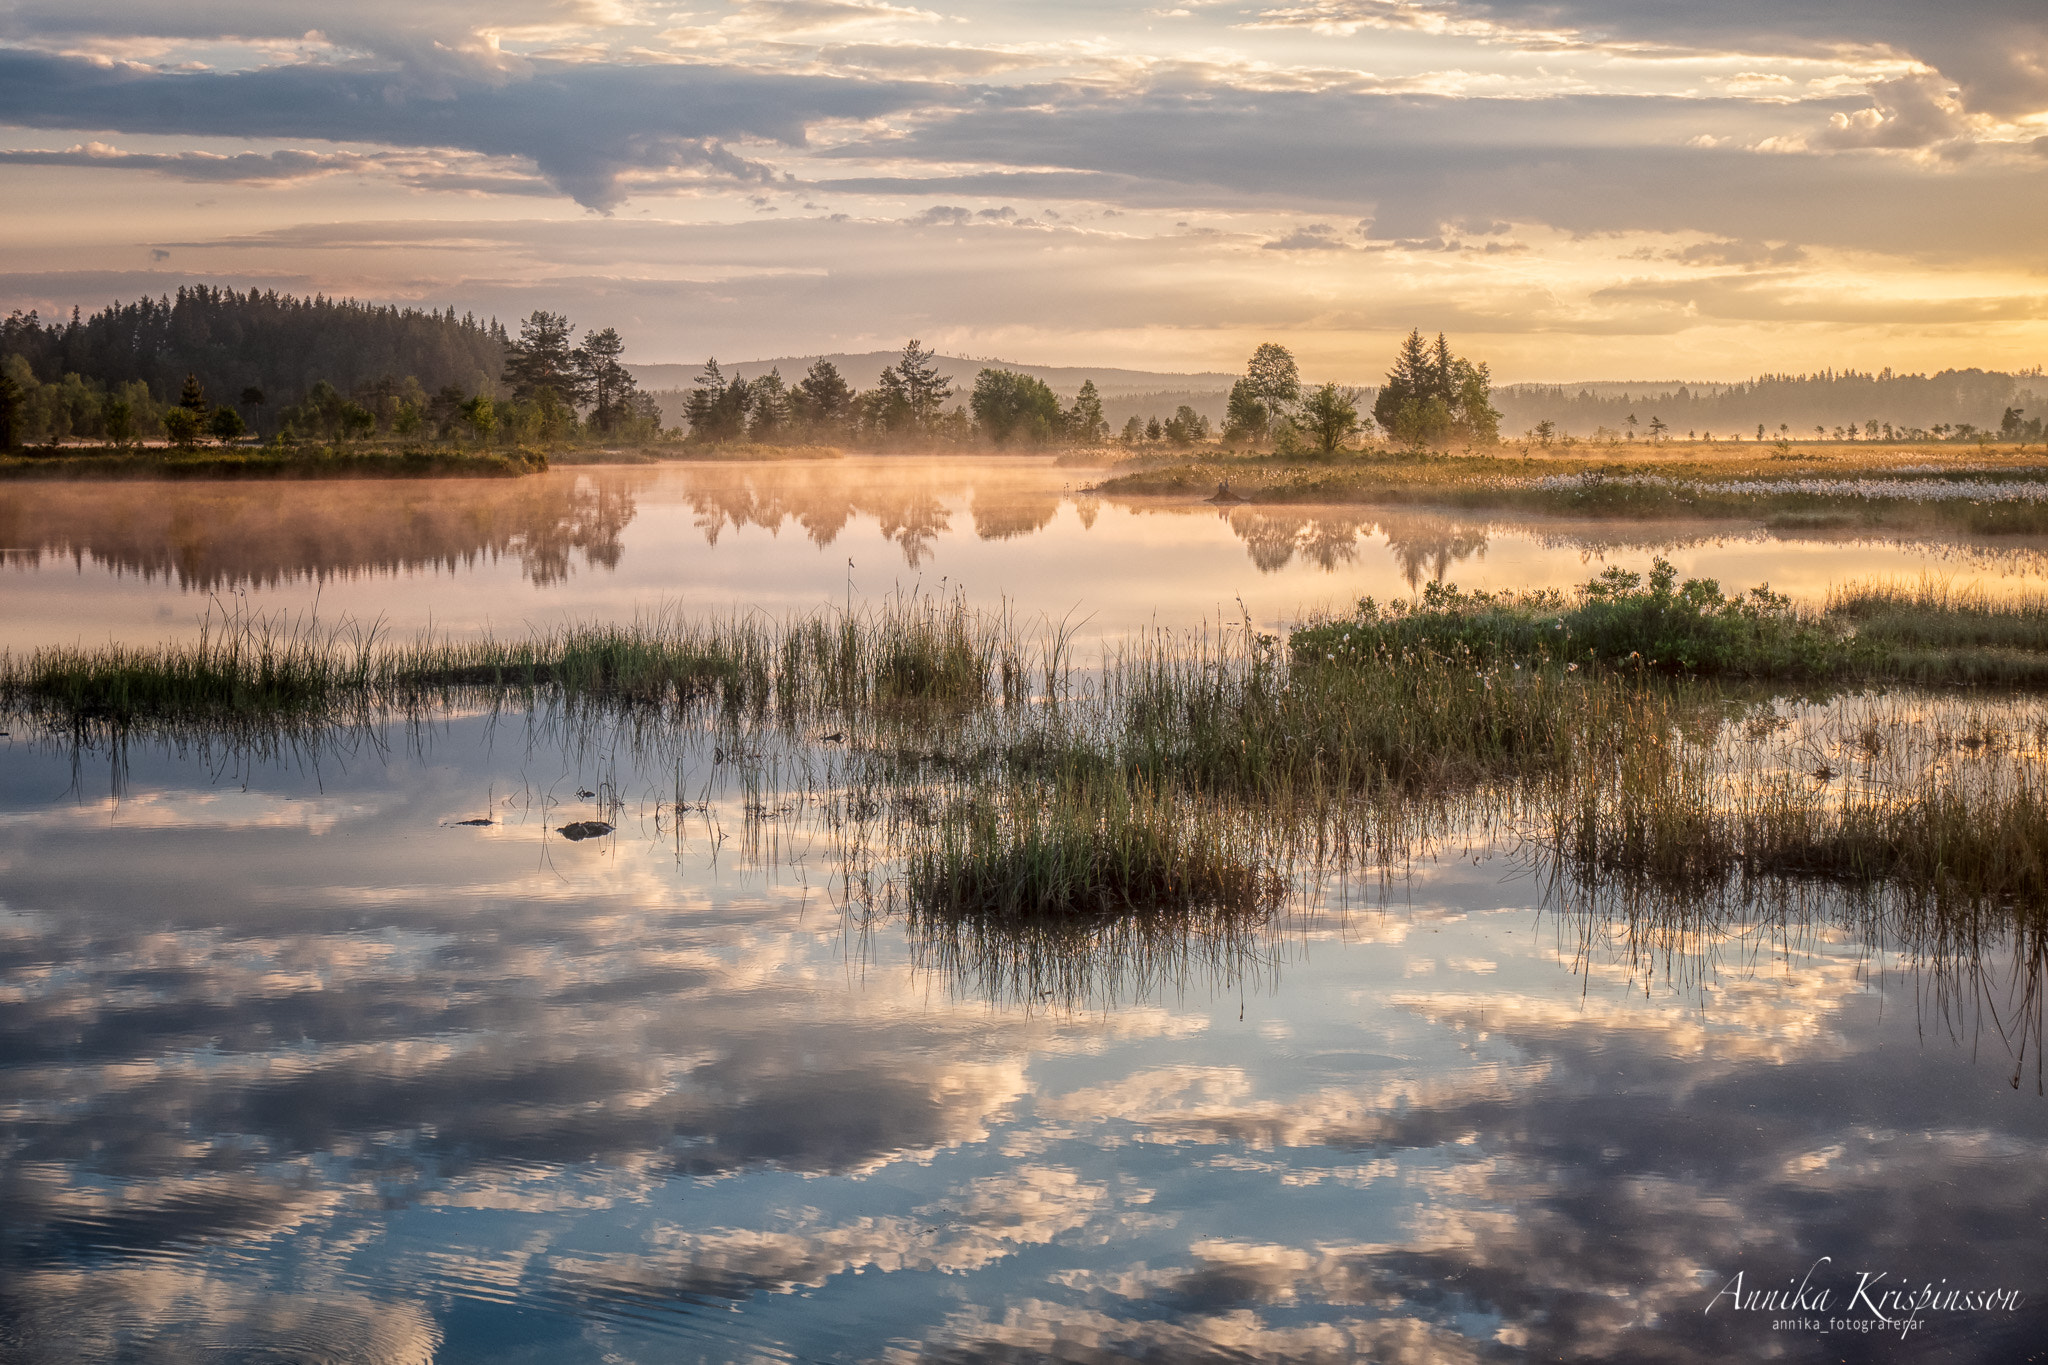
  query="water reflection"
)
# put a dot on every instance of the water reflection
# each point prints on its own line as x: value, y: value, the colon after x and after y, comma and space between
x: 133, y: 561
x: 209, y: 536
x: 913, y: 504
x: 1422, y: 545
x: 291, y: 1063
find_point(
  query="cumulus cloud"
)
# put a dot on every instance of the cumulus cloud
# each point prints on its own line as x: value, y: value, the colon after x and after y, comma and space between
x: 1910, y: 113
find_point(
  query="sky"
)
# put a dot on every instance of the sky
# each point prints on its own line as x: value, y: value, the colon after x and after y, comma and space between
x: 1622, y: 189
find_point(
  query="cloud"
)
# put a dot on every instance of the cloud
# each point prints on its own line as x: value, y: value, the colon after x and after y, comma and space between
x: 586, y: 128
x: 1314, y: 237
x: 1909, y: 113
x: 924, y: 60
x: 1343, y: 18
x: 244, y: 167
x: 952, y: 215
x: 1748, y: 255
x: 1415, y: 164
x: 1995, y: 51
x: 1765, y: 298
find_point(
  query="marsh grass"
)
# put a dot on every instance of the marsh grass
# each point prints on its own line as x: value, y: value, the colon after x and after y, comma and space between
x: 243, y: 665
x: 1930, y: 630
x: 1204, y: 774
x: 907, y: 652
x: 1911, y: 489
x: 1927, y: 633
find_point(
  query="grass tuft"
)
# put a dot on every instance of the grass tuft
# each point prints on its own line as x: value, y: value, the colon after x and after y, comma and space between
x: 1023, y: 851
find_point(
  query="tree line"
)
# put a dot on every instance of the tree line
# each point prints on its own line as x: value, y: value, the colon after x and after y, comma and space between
x: 909, y: 404
x: 1431, y: 398
x: 215, y: 364
x: 1835, y: 405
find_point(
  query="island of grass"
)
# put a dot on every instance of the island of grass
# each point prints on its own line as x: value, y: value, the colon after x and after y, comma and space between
x: 1841, y: 486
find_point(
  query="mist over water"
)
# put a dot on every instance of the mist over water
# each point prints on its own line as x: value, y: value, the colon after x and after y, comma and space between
x: 296, y: 1065
x: 139, y: 562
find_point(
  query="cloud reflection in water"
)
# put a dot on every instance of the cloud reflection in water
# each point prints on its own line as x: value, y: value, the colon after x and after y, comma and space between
x: 416, y: 1091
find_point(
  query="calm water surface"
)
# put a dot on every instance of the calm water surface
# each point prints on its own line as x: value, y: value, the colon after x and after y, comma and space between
x: 138, y: 561
x: 295, y: 1067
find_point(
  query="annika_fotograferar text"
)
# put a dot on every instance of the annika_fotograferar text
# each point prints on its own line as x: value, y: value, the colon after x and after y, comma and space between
x: 1874, y: 1302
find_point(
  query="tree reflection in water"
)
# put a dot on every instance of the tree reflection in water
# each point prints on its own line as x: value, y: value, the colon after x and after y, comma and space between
x: 1423, y: 545
x: 222, y: 536
x: 913, y: 504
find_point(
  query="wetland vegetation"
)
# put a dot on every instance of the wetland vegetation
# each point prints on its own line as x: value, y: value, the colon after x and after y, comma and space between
x: 1835, y: 490
x: 1638, y: 729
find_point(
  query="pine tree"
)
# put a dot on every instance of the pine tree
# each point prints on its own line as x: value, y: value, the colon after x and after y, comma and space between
x: 10, y: 410
x: 717, y: 409
x: 1084, y: 420
x: 608, y: 384
x: 769, y: 400
x: 914, y: 381
x: 1433, y: 397
x: 543, y: 358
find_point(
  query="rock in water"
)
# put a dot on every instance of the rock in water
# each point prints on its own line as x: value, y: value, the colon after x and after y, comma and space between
x: 584, y: 829
x: 476, y: 822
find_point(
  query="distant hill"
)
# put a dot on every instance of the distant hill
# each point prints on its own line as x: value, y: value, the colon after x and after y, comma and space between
x: 863, y: 370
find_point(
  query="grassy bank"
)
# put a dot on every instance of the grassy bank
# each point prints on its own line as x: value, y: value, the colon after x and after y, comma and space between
x: 268, y: 462
x: 1940, y: 489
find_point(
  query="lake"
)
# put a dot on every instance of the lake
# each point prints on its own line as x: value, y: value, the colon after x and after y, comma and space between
x: 294, y: 1065
x: 139, y: 561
